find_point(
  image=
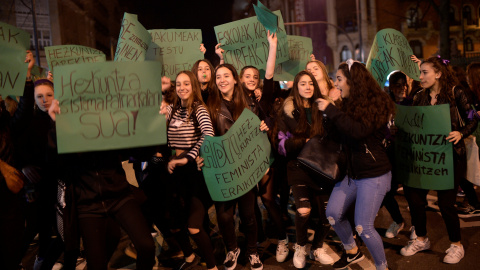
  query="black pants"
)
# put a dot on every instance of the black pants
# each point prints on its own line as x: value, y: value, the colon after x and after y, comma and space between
x: 417, y: 200
x: 226, y: 221
x: 306, y: 197
x: 12, y: 224
x: 197, y: 200
x: 100, y: 236
x: 391, y: 204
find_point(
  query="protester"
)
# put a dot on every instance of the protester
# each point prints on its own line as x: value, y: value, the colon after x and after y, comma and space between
x: 440, y: 86
x: 188, y: 124
x: 299, y: 121
x: 12, y: 221
x: 362, y: 123
x: 225, y: 105
x: 103, y: 201
x: 319, y: 71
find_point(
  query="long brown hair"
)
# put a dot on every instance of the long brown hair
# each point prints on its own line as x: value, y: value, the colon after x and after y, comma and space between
x: 367, y: 102
x: 195, y: 98
x: 324, y: 72
x: 446, y: 81
x: 317, y: 118
x: 211, y: 83
x: 215, y: 100
x: 473, y: 72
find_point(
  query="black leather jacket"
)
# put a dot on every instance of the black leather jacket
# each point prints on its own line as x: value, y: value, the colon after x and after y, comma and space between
x: 423, y: 98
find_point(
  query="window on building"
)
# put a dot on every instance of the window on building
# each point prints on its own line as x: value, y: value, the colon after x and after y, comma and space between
x: 345, y: 54
x: 417, y: 48
x: 451, y: 16
x: 412, y: 17
x: 468, y: 44
x: 467, y: 14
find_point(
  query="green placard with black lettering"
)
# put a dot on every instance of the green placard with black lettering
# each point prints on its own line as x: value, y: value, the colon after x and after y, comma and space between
x: 424, y: 158
x: 62, y: 55
x: 133, y: 40
x: 236, y: 161
x: 109, y: 105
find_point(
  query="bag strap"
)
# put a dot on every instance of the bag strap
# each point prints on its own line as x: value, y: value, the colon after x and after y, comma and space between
x: 459, y: 116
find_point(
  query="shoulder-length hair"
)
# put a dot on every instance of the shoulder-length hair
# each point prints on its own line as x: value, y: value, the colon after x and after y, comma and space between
x: 317, y: 118
x: 238, y: 98
x: 473, y: 72
x: 211, y: 83
x: 446, y: 81
x: 367, y: 102
x: 195, y: 98
x: 322, y: 66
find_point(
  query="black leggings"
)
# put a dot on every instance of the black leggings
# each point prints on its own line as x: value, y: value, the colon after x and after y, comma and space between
x: 306, y: 197
x: 391, y: 204
x: 226, y: 221
x: 197, y: 201
x: 100, y: 236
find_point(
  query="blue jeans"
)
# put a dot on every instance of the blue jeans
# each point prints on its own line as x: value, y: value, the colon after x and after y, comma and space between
x: 368, y: 194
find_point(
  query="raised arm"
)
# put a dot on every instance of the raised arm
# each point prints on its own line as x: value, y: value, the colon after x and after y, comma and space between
x: 219, y: 51
x: 272, y: 55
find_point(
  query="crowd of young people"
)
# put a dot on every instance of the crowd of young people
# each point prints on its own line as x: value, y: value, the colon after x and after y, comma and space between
x: 86, y: 195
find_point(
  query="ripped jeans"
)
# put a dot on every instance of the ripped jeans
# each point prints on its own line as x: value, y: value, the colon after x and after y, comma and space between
x: 368, y: 194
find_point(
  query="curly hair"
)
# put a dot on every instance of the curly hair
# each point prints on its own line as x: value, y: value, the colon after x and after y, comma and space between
x: 446, y: 81
x: 473, y: 72
x: 367, y: 102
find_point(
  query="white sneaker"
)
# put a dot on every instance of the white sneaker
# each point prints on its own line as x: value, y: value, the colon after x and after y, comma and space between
x: 282, y: 250
x: 394, y: 229
x: 320, y: 255
x: 413, y: 235
x: 415, y: 246
x: 299, y: 256
x: 454, y: 254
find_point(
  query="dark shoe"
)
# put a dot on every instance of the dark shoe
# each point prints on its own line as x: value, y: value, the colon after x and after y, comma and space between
x: 348, y: 259
x: 189, y: 265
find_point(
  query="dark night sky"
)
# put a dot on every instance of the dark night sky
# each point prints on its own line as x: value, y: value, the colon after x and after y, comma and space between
x: 183, y: 14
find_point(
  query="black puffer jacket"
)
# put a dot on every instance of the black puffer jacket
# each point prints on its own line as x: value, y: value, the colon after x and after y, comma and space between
x: 423, y: 98
x: 365, y: 146
x: 287, y: 122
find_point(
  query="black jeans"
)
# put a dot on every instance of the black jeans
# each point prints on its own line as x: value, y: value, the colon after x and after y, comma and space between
x: 306, y: 197
x: 226, y: 221
x: 100, y: 234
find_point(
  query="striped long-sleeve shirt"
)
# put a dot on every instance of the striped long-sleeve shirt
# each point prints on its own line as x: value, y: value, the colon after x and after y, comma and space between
x: 187, y: 134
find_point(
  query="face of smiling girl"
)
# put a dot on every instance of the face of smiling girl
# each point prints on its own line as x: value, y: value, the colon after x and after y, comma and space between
x: 225, y: 82
x: 250, y: 78
x: 341, y: 84
x: 183, y: 87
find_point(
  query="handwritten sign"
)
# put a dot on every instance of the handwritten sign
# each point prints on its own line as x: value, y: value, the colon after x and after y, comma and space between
x: 133, y: 40
x: 176, y: 49
x: 424, y: 157
x: 110, y: 105
x: 236, y: 161
x: 72, y: 54
x: 245, y: 42
x: 391, y: 51
x: 300, y: 49
x: 13, y: 69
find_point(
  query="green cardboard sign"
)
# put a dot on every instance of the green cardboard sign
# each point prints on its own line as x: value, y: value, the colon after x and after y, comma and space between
x: 391, y: 51
x: 109, y: 105
x: 300, y: 49
x: 268, y: 19
x: 236, y: 161
x: 424, y: 158
x: 176, y: 49
x: 133, y: 40
x: 72, y: 54
x: 13, y: 69
x: 245, y: 42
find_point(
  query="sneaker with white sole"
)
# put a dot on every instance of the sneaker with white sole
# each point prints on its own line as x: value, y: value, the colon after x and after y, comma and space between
x: 282, y: 250
x: 255, y: 263
x: 320, y: 255
x: 231, y: 260
x: 394, y: 229
x: 348, y: 259
x: 415, y: 246
x: 299, y: 259
x: 413, y: 235
x: 454, y: 254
